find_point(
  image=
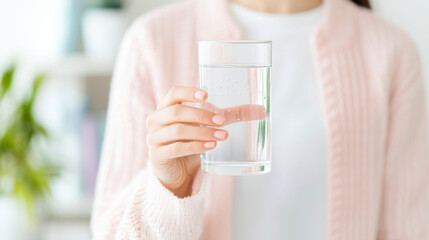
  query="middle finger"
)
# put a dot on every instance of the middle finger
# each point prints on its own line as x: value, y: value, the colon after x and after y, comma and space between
x: 185, y: 114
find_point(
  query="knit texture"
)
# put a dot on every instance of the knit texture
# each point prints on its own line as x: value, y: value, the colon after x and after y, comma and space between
x: 374, y: 109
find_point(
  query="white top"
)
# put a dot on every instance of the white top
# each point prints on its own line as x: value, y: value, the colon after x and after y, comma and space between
x: 289, y: 202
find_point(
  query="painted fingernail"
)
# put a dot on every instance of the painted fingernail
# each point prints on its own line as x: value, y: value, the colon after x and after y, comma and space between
x: 220, y: 134
x: 209, y: 144
x: 218, y: 119
x: 199, y: 95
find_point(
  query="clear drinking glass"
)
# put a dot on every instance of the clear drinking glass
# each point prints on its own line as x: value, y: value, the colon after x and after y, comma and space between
x: 236, y: 76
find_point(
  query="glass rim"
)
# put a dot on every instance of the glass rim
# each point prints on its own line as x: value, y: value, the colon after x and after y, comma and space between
x: 237, y: 41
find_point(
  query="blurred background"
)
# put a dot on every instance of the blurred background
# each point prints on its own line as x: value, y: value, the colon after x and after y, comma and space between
x: 56, y: 62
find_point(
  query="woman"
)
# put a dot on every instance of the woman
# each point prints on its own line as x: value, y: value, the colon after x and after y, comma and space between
x: 350, y: 139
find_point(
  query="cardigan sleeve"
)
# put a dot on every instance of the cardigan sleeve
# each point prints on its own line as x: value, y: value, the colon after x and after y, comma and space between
x: 405, y: 205
x: 130, y: 202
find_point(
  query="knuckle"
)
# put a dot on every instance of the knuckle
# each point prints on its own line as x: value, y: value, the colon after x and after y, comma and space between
x: 173, y: 130
x: 152, y: 155
x: 193, y: 147
x: 148, y: 121
x: 178, y: 130
x: 174, y: 149
x: 190, y: 91
x: 194, y: 89
x: 149, y: 139
x: 204, y: 116
x: 172, y: 91
x: 200, y: 116
x: 206, y: 132
x: 175, y: 110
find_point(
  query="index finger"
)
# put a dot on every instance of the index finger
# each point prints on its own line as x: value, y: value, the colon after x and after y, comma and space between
x: 179, y: 94
x: 239, y: 113
x: 246, y: 112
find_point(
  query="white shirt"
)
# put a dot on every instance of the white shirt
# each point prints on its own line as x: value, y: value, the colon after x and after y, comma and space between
x: 289, y: 202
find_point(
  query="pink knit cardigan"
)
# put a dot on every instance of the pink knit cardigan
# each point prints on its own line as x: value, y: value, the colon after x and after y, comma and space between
x: 373, y: 100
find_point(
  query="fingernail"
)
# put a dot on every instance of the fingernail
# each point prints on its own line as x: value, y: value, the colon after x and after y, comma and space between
x: 199, y: 95
x: 218, y: 119
x: 220, y: 134
x: 209, y: 144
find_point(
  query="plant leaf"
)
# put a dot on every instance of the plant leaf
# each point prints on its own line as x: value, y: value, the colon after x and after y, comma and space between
x: 26, y: 198
x: 21, y: 168
x: 6, y: 80
x: 114, y: 4
x: 38, y: 80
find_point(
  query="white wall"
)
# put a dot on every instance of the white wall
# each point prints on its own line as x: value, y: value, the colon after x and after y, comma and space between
x: 137, y: 7
x: 33, y: 30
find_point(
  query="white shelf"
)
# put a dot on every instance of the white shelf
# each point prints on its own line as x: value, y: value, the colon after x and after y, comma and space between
x: 70, y: 221
x: 68, y: 231
x: 80, y: 210
x: 80, y: 66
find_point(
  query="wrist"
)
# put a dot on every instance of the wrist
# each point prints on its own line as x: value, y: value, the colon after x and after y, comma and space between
x: 181, y: 191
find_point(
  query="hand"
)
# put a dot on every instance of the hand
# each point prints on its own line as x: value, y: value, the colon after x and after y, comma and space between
x: 176, y: 139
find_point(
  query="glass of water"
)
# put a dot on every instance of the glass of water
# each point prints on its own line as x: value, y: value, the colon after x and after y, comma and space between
x: 236, y: 76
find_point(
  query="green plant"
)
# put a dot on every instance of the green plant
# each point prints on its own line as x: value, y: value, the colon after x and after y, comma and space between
x: 25, y: 173
x: 105, y: 4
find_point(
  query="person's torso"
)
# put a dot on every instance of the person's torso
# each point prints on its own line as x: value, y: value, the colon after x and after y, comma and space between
x: 352, y: 51
x: 289, y: 202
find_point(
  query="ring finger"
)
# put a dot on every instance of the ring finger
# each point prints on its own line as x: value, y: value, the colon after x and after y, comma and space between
x: 180, y: 132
